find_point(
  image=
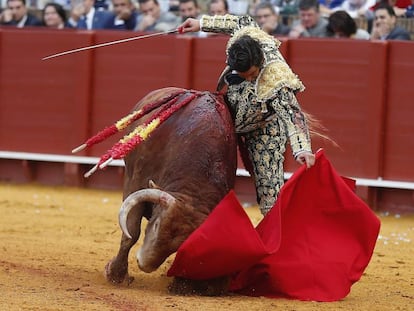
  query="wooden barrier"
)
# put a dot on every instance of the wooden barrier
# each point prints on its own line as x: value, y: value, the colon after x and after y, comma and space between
x: 358, y: 89
x: 209, y: 55
x: 343, y: 90
x: 398, y: 142
x: 44, y: 105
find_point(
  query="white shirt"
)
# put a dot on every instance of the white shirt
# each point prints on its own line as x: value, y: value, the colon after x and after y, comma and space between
x: 89, y: 18
x: 22, y: 21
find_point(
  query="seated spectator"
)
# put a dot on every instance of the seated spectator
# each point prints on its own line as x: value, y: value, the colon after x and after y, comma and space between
x: 173, y: 6
x: 241, y: 7
x: 188, y: 8
x: 101, y: 5
x: 402, y: 4
x: 66, y: 5
x: 267, y: 18
x: 403, y: 8
x: 54, y: 16
x: 215, y: 7
x: 310, y: 22
x: 399, y: 6
x: 327, y: 6
x: 331, y: 4
x: 286, y: 8
x: 342, y: 25
x: 218, y: 7
x: 17, y: 15
x: 357, y: 8
x: 125, y: 15
x: 409, y: 11
x: 385, y: 27
x: 84, y: 15
x: 153, y: 19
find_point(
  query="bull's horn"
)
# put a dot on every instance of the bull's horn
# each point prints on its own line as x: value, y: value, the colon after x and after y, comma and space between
x: 155, y: 196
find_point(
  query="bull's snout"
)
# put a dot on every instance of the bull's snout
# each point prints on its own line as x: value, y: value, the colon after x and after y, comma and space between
x: 142, y: 263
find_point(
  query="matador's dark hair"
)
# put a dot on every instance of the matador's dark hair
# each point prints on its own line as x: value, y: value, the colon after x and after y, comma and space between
x: 244, y: 53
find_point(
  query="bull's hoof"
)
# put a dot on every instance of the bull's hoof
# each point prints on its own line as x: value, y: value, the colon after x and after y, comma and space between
x: 212, y: 287
x: 115, y: 276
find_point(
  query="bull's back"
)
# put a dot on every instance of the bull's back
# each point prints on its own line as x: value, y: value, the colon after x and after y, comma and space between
x: 194, y: 150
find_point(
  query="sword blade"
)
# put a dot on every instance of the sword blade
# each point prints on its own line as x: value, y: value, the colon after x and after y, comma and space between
x: 110, y: 43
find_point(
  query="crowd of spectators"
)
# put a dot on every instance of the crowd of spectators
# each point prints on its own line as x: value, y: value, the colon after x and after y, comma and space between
x: 284, y: 18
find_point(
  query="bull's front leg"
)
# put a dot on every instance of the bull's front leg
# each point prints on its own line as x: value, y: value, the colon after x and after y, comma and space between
x: 116, y: 270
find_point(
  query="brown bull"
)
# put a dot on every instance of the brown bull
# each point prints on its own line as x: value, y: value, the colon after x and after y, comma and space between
x: 174, y: 178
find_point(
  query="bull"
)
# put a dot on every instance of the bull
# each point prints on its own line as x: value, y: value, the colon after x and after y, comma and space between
x: 174, y: 179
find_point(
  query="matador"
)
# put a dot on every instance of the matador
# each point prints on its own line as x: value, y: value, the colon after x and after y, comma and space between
x: 265, y: 110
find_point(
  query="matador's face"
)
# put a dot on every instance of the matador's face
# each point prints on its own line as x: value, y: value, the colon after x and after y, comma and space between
x: 251, y: 74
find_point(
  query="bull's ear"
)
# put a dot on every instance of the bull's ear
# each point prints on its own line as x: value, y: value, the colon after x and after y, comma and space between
x: 153, y: 185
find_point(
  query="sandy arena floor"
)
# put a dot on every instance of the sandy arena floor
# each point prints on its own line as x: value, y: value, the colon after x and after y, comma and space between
x: 55, y: 242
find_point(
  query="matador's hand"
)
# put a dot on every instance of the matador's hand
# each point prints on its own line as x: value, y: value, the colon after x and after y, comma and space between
x: 189, y: 25
x: 307, y: 158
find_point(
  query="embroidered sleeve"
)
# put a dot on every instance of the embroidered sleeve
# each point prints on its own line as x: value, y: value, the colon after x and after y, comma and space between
x: 287, y: 108
x: 226, y: 24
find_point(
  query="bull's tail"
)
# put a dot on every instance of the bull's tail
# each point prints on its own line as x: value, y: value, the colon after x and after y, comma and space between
x: 143, y: 131
x: 126, y: 121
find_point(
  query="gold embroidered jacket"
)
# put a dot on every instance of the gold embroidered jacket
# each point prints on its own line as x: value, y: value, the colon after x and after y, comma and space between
x: 274, y: 78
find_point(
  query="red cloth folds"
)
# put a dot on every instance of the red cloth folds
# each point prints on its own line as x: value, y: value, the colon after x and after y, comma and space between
x: 225, y: 243
x: 313, y: 245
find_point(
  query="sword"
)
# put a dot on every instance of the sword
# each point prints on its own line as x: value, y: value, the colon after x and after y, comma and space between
x: 112, y: 43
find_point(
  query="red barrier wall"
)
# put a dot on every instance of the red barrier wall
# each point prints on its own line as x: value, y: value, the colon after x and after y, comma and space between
x: 44, y: 104
x: 209, y: 60
x: 344, y: 87
x: 399, y: 126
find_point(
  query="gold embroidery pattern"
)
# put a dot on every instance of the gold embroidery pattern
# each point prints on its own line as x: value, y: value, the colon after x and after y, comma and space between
x: 266, y: 135
x: 276, y: 76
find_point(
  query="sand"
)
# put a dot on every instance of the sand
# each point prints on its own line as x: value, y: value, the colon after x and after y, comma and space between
x: 55, y: 242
